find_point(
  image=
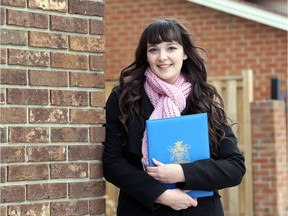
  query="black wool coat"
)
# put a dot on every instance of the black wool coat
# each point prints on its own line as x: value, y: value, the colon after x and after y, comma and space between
x: 138, y: 191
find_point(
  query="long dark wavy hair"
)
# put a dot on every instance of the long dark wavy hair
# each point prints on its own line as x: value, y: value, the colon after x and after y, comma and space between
x: 203, y: 97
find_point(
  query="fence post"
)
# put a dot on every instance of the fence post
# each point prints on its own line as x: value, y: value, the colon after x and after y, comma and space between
x: 248, y: 99
x: 231, y: 103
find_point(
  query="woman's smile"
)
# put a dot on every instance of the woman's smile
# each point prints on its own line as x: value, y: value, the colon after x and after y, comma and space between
x: 164, y: 66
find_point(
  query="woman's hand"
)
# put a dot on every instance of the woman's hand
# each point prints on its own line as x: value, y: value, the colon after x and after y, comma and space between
x: 176, y: 199
x: 166, y: 173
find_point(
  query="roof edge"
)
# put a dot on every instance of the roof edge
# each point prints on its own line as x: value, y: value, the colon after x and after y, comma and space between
x: 247, y: 12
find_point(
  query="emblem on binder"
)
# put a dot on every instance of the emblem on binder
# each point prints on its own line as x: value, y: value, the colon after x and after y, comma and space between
x: 179, y: 153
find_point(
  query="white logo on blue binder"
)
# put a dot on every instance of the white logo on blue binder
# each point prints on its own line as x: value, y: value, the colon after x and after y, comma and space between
x: 179, y: 153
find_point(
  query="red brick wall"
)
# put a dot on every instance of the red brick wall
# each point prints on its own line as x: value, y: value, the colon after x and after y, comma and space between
x: 232, y: 43
x: 52, y: 98
x: 269, y: 158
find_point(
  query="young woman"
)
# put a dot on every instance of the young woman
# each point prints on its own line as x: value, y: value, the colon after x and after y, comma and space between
x: 168, y: 78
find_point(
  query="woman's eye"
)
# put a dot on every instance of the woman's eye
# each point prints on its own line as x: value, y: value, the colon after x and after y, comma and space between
x: 152, y: 50
x: 172, y: 48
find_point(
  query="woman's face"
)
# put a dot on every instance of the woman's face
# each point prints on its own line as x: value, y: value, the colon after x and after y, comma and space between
x: 166, y: 60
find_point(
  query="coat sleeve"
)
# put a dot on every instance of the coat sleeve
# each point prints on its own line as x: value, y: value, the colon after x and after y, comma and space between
x: 118, y: 169
x: 225, y: 170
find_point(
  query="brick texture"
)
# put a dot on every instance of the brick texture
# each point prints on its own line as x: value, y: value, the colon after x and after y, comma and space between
x: 86, y: 44
x: 28, y: 58
x: 60, y: 5
x: 27, y: 19
x: 12, y: 194
x: 88, y: 116
x: 13, y: 37
x: 97, y: 99
x: 69, y: 61
x: 87, y: 80
x: 12, y: 154
x: 52, y: 115
x: 69, y: 134
x: 46, y: 153
x: 3, y: 56
x: 97, y: 27
x: 46, y: 191
x: 69, y: 98
x: 13, y: 76
x: 16, y: 3
x: 96, y: 170
x: 86, y: 189
x: 28, y: 134
x: 96, y: 63
x: 97, y: 134
x: 97, y: 206
x: 2, y: 16
x: 52, y: 69
x: 27, y: 172
x: 69, y: 24
x: 69, y: 170
x: 13, y: 115
x: 53, y: 41
x: 269, y: 158
x: 92, y: 152
x: 29, y: 209
x: 87, y: 7
x: 48, y: 78
x: 78, y: 207
x: 27, y: 96
x: 3, y: 133
x: 3, y: 174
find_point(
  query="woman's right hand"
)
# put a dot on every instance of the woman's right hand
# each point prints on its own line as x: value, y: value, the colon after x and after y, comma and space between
x: 176, y: 199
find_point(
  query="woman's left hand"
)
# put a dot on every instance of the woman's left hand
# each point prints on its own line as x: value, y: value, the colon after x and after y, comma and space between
x: 166, y: 173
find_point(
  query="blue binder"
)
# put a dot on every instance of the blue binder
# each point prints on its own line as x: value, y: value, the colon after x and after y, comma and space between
x: 180, y: 139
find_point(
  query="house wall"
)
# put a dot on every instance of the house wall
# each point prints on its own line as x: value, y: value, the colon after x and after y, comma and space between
x: 52, y: 99
x: 232, y: 43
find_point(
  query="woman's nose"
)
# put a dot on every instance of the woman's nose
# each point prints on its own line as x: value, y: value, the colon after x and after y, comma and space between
x: 162, y: 55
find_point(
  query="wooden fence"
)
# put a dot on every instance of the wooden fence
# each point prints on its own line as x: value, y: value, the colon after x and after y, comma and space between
x: 237, y: 93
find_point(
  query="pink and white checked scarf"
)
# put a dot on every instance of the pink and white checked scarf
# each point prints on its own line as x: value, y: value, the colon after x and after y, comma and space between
x: 169, y: 100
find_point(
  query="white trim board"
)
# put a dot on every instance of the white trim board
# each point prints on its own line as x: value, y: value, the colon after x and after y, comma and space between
x: 247, y: 12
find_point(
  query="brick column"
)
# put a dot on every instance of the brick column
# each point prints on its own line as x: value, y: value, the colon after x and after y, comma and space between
x: 269, y: 158
x: 52, y: 98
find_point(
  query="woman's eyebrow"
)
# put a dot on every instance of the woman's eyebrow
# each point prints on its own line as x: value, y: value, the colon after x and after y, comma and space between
x: 168, y: 44
x: 151, y: 45
x: 173, y: 43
